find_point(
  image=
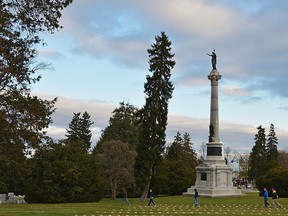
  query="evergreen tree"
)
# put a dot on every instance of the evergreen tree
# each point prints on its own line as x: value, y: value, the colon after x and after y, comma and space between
x: 153, y: 116
x: 122, y: 127
x: 177, y: 170
x: 181, y: 149
x: 258, y: 156
x: 175, y: 150
x: 63, y: 173
x: 79, y: 132
x: 271, y: 147
x: 188, y: 149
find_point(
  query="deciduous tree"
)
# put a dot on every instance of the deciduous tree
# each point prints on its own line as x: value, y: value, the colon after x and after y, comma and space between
x: 283, y: 158
x: 23, y: 117
x: 117, y: 162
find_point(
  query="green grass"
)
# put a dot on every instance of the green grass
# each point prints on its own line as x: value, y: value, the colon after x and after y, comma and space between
x: 251, y: 204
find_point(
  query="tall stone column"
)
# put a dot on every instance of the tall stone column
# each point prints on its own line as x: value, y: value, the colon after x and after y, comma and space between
x: 214, y: 146
x: 214, y: 118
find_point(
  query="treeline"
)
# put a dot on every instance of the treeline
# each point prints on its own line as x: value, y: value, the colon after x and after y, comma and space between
x: 70, y: 170
x: 267, y: 166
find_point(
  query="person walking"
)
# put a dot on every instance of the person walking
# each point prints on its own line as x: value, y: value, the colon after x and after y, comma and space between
x: 125, y: 197
x: 274, y: 198
x: 151, y: 195
x: 196, y: 195
x: 265, y: 195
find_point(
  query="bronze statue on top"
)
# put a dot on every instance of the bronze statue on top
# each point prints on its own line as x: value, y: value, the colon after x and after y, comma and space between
x: 213, y: 60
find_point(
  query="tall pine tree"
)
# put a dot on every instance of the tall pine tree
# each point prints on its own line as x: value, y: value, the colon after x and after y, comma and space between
x: 271, y: 148
x: 175, y: 150
x: 153, y: 116
x: 189, y: 156
x: 122, y: 127
x: 258, y: 156
x: 79, y: 132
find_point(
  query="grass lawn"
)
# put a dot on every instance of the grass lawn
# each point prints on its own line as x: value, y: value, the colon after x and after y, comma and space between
x: 251, y: 204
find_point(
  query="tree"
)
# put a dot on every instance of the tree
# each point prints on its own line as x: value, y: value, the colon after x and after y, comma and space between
x: 203, y: 148
x: 227, y: 152
x: 117, y: 162
x: 177, y: 170
x: 189, y: 155
x: 242, y: 161
x: 271, y: 148
x: 258, y: 156
x: 153, y: 116
x: 283, y: 158
x: 23, y: 117
x: 182, y: 149
x: 63, y: 173
x: 79, y: 132
x: 174, y: 151
x: 276, y: 177
x: 122, y: 127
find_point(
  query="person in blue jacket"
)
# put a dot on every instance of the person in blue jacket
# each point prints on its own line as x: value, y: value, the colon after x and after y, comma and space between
x: 265, y: 195
x: 196, y: 195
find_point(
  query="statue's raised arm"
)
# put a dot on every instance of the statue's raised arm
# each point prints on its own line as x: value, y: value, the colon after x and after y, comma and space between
x: 214, y: 59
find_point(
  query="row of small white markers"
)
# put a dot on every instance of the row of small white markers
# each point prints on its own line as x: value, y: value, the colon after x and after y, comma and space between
x: 188, y: 213
x: 183, y: 213
x: 166, y: 209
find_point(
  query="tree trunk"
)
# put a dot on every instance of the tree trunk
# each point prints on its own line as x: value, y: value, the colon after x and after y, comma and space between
x: 146, y: 189
x: 145, y: 192
x: 113, y: 185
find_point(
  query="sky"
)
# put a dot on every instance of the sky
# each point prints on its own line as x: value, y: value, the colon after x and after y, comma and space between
x: 100, y: 59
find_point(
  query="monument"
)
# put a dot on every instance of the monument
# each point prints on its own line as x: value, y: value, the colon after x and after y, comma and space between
x: 214, y: 176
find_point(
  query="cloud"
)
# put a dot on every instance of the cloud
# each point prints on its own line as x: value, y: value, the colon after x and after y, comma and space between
x: 197, y: 18
x: 249, y: 38
x: 235, y: 90
x: 100, y: 112
x: 48, y: 53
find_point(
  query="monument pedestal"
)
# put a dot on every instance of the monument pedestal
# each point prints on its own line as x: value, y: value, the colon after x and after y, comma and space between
x: 214, y: 179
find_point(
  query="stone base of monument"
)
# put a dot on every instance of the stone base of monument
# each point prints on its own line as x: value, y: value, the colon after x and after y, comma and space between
x: 214, y: 179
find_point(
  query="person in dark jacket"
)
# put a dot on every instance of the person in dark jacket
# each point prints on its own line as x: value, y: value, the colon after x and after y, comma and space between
x: 196, y: 195
x: 274, y: 198
x: 151, y: 194
x: 265, y: 195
